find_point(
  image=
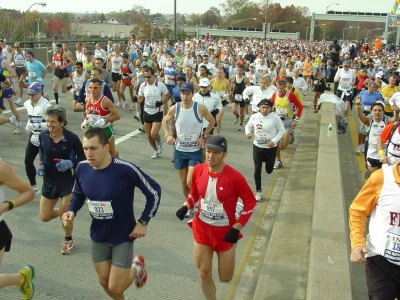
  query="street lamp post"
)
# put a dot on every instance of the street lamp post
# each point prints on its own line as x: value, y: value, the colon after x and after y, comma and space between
x: 371, y: 30
x: 350, y: 27
x: 41, y: 4
x: 242, y: 20
x: 265, y: 20
x: 38, y: 31
x: 330, y: 5
x: 307, y: 32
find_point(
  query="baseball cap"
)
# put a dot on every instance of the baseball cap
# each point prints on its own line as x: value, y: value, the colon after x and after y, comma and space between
x: 145, y: 54
x: 346, y: 63
x: 240, y: 53
x: 217, y: 142
x: 55, y: 37
x: 58, y: 45
x: 89, y: 53
x: 204, y: 82
x: 35, y: 87
x: 187, y: 86
x: 125, y: 55
x: 181, y: 76
x: 252, y: 65
x: 265, y: 102
x: 290, y: 80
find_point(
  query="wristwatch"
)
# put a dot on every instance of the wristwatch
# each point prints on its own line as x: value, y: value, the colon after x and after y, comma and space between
x: 144, y: 223
x: 239, y: 226
x: 204, y: 136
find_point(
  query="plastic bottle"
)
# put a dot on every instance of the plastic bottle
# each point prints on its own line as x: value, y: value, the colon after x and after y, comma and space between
x: 330, y: 129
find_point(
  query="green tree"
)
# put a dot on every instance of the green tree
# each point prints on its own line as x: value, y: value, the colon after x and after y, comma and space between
x: 102, y: 18
x: 183, y: 20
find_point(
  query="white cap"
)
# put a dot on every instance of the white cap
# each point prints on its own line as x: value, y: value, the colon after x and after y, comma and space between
x: 240, y: 53
x: 145, y: 53
x: 204, y: 82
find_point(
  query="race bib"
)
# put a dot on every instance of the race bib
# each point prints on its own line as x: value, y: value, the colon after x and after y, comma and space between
x: 212, y: 210
x: 238, y: 97
x: 281, y: 112
x: 57, y: 63
x: 117, y: 66
x: 35, y: 140
x: 261, y: 138
x: 101, y: 210
x: 367, y: 107
x: 188, y: 140
x: 392, y: 248
x: 32, y: 74
x: 93, y: 119
x: 151, y: 103
x: 19, y: 62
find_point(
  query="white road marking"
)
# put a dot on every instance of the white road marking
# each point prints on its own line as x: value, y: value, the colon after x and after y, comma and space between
x: 126, y: 136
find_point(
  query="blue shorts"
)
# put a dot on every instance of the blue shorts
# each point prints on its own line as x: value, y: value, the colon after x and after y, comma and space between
x: 7, y: 93
x: 183, y: 160
x: 133, y: 56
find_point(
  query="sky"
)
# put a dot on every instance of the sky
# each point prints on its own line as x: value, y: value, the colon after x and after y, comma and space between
x: 193, y: 6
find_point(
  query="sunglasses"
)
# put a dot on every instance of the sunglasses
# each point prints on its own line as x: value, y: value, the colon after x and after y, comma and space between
x: 32, y: 95
x: 147, y: 76
x: 94, y: 87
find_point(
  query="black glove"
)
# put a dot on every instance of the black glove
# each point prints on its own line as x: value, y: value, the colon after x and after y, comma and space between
x: 159, y: 103
x: 182, y: 212
x: 232, y: 236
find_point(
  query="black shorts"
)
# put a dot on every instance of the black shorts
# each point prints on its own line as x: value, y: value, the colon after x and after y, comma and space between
x: 61, y: 73
x: 346, y: 98
x: 20, y: 71
x: 115, y: 77
x: 319, y: 88
x: 383, y: 278
x: 224, y: 103
x: 157, y: 117
x: 240, y: 103
x: 75, y: 97
x: 5, y: 236
x: 56, y: 190
x: 374, y: 163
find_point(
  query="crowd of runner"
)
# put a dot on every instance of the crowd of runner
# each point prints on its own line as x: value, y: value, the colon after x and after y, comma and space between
x: 185, y: 87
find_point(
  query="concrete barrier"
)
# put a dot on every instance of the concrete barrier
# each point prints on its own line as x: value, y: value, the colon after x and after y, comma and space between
x: 329, y: 268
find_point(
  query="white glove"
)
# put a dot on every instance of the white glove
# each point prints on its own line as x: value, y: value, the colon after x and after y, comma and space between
x: 39, y: 79
x: 28, y: 129
x: 225, y: 97
x: 99, y: 123
x: 73, y: 91
x: 84, y: 124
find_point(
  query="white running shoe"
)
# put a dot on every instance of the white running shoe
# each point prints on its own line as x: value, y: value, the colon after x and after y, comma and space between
x: 358, y: 150
x: 132, y: 107
x: 13, y: 121
x: 345, y: 121
x: 19, y: 102
x: 240, y: 128
x: 351, y: 113
x: 117, y: 105
x: 246, y: 118
x: 18, y: 128
x: 362, y: 148
x: 141, y: 273
x: 235, y: 120
x: 123, y: 104
x: 159, y: 147
x: 155, y: 155
x: 259, y: 196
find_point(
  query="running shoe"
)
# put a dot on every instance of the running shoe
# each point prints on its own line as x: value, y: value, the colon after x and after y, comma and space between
x: 136, y: 118
x: 235, y: 120
x: 292, y: 138
x: 259, y: 196
x: 358, y: 150
x: 246, y: 118
x: 351, y: 113
x: 189, y: 213
x: 240, y: 128
x: 141, y: 273
x: 141, y: 128
x: 13, y: 121
x: 132, y: 107
x: 27, y: 288
x: 155, y: 155
x: 362, y: 148
x: 67, y: 247
x: 315, y: 110
x: 278, y: 165
x: 345, y: 121
x: 19, y: 102
x: 117, y: 104
x: 123, y: 104
x: 159, y: 147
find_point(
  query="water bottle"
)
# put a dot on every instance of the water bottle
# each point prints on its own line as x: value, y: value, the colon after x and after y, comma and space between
x: 330, y: 129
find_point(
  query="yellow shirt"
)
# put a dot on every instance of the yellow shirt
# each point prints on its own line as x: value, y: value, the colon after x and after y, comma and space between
x: 282, y: 106
x: 387, y: 92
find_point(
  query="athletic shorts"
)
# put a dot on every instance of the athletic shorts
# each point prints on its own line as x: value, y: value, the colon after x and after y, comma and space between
x: 5, y: 236
x: 170, y: 87
x: 121, y: 255
x: 156, y: 118
x: 319, y: 88
x: 374, y: 162
x: 187, y: 159
x: 383, y: 278
x: 20, y: 71
x: 7, y: 93
x: 133, y: 56
x: 345, y: 97
x: 127, y: 82
x: 56, y: 190
x: 108, y: 130
x: 287, y: 123
x: 240, y: 103
x: 115, y: 77
x: 212, y: 236
x: 224, y: 103
x: 61, y: 73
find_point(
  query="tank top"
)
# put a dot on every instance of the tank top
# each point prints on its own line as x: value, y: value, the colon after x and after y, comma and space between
x: 219, y: 88
x: 252, y: 78
x: 2, y: 199
x: 78, y: 55
x: 59, y: 61
x: 78, y: 81
x: 95, y: 111
x: 375, y: 130
x: 37, y: 117
x: 239, y: 86
x: 284, y: 109
x: 189, y: 127
x: 307, y: 69
x: 116, y: 62
x: 384, y: 229
x: 87, y: 66
x: 20, y: 60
